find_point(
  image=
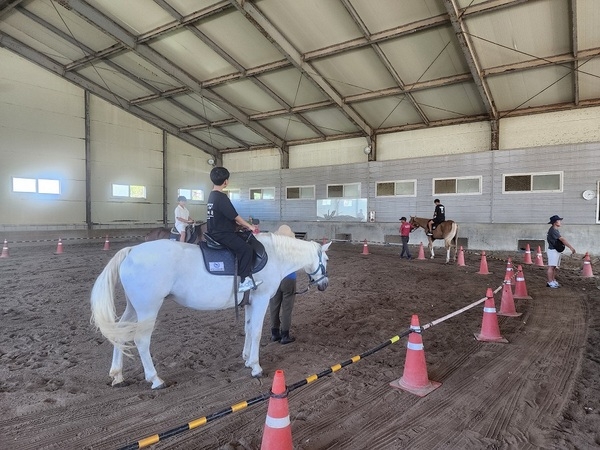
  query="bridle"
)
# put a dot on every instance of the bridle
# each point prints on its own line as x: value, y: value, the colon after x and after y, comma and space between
x: 311, y: 280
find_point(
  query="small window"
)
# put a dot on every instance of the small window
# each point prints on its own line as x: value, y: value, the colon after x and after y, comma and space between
x: 126, y: 190
x: 233, y: 194
x: 534, y: 182
x: 300, y: 192
x: 33, y: 185
x: 405, y: 188
x: 195, y: 195
x: 459, y: 185
x: 262, y: 193
x: 343, y: 190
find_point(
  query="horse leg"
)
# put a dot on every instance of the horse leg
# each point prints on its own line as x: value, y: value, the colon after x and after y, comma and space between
x: 447, y: 253
x: 255, y: 316
x: 116, y: 368
x: 142, y: 342
x: 431, y: 249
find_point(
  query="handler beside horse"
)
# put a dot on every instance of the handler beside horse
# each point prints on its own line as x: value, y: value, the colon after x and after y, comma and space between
x: 154, y: 270
x: 448, y: 231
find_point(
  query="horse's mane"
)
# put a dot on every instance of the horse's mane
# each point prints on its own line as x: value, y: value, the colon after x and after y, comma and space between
x: 289, y: 248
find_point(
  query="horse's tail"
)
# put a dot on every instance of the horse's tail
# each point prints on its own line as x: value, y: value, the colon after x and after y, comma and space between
x: 104, y: 316
x: 452, y: 238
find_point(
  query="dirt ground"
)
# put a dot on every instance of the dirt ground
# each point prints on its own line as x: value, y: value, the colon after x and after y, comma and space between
x: 541, y: 390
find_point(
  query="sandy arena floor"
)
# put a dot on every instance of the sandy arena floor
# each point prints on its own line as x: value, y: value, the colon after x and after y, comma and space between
x: 541, y: 390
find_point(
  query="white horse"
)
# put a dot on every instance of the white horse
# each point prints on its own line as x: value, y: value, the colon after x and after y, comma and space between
x: 153, y: 270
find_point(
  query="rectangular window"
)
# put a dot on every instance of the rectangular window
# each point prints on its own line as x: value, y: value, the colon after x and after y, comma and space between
x: 195, y: 195
x: 404, y: 188
x: 300, y: 192
x: 130, y: 191
x: 233, y: 194
x: 343, y: 190
x: 532, y: 182
x: 262, y: 193
x: 33, y: 185
x: 458, y: 185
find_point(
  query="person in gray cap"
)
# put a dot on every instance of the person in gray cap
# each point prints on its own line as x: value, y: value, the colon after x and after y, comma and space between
x: 556, y: 244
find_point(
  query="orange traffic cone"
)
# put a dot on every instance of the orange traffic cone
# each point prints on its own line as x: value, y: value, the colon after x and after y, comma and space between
x: 421, y: 252
x: 527, y: 259
x: 414, y: 379
x: 106, y: 244
x: 365, y: 248
x: 507, y: 305
x: 461, y: 257
x: 59, y: 247
x: 277, y: 434
x: 483, y: 267
x: 520, y: 286
x: 4, y: 250
x: 587, y: 266
x: 539, y: 259
x: 490, y: 331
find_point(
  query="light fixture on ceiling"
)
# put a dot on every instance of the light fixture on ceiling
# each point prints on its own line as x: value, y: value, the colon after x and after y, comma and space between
x: 211, y: 161
x: 367, y: 149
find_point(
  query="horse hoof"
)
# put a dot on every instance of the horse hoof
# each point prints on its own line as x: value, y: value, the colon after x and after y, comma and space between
x: 120, y: 384
x: 160, y: 386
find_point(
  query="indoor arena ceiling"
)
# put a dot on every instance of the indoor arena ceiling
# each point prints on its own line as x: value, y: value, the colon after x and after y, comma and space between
x: 236, y: 75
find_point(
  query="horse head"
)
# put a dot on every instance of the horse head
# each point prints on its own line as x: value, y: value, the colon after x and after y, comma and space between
x: 317, y: 274
x: 414, y: 223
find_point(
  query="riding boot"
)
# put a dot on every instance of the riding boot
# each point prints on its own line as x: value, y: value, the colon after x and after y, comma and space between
x: 286, y: 338
x: 275, y: 335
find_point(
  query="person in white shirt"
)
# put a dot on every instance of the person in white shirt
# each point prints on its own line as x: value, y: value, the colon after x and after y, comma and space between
x: 182, y: 217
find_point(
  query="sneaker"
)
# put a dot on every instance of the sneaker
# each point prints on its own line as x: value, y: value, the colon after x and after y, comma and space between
x: 552, y: 284
x: 429, y: 234
x: 556, y: 283
x: 249, y: 284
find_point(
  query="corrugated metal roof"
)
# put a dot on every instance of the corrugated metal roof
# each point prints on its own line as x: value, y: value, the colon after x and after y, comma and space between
x: 243, y: 75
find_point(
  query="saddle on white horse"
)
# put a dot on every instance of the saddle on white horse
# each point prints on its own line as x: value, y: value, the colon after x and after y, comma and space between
x: 219, y: 260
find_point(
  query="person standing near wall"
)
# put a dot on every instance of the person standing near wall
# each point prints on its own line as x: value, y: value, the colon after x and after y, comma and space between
x: 405, y: 229
x: 182, y: 217
x: 556, y: 244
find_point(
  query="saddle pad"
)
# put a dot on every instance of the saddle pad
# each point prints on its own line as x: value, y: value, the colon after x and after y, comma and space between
x: 218, y: 262
x: 222, y: 261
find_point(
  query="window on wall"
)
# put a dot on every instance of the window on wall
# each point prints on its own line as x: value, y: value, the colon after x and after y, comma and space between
x: 300, y: 192
x: 406, y: 188
x: 532, y: 182
x: 343, y: 190
x: 36, y: 185
x: 195, y: 195
x: 128, y: 190
x: 233, y: 194
x: 262, y: 193
x: 459, y: 185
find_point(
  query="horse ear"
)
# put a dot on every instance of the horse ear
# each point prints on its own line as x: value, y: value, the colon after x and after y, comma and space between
x: 325, y: 247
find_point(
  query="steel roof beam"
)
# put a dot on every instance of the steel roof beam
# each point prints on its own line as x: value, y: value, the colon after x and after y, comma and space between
x: 471, y: 60
x: 97, y: 19
x: 575, y: 48
x: 43, y: 61
x: 267, y: 29
x: 383, y: 58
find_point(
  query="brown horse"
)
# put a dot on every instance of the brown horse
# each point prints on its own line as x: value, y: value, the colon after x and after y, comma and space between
x: 193, y: 233
x: 448, y: 231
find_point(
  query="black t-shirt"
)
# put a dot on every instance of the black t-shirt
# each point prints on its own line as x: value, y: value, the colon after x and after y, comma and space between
x: 220, y: 213
x: 439, y: 215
